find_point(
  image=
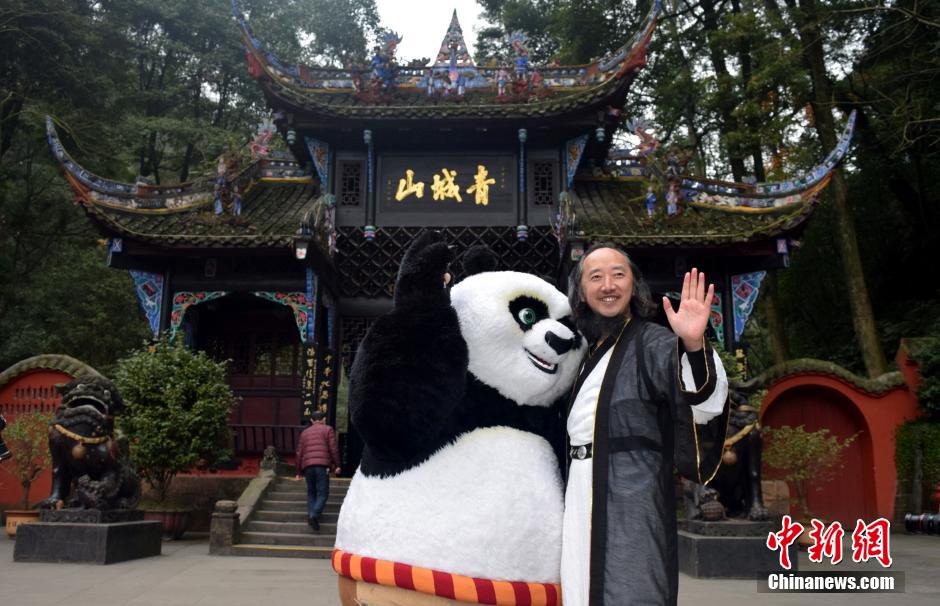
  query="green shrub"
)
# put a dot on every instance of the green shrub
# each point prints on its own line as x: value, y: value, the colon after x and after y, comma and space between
x: 27, y: 437
x: 178, y: 407
x: 805, y: 458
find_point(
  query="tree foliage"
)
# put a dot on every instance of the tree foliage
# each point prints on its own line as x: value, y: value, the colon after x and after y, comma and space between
x: 923, y: 436
x: 27, y: 437
x: 159, y: 90
x: 150, y: 90
x: 928, y: 366
x: 178, y: 404
x: 747, y: 86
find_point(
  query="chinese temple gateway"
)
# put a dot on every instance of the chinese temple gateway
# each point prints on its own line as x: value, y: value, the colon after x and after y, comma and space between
x: 283, y: 261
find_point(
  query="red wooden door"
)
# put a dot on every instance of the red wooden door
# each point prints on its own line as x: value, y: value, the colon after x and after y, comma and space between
x: 850, y: 495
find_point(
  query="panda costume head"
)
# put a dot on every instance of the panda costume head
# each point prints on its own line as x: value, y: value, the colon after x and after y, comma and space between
x: 453, y: 394
x: 519, y: 335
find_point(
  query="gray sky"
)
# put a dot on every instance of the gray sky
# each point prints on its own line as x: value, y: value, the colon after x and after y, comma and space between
x: 423, y: 23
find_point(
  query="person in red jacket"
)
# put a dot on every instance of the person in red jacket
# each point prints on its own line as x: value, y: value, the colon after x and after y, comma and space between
x: 317, y: 454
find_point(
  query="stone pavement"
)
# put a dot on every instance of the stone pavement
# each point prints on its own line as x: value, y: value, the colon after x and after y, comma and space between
x: 186, y: 575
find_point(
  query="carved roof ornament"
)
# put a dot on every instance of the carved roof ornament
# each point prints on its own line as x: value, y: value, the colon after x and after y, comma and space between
x: 558, y: 90
x: 453, y: 51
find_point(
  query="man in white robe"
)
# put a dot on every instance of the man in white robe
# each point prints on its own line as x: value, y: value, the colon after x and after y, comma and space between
x: 646, y: 400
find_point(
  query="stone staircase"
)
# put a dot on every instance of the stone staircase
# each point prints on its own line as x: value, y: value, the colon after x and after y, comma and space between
x: 278, y: 525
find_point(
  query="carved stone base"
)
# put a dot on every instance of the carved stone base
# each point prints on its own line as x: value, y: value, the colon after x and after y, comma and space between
x: 728, y: 557
x: 90, y: 516
x: 96, y: 543
x: 728, y: 528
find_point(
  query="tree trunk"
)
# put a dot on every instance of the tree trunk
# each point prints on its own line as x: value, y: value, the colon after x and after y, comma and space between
x: 775, y: 331
x: 811, y: 38
x: 727, y: 99
x: 187, y: 160
x: 688, y: 100
x: 746, y: 62
x: 9, y: 119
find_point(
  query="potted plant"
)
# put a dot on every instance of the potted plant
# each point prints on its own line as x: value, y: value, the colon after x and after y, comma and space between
x: 804, y: 459
x: 27, y: 438
x: 178, y: 405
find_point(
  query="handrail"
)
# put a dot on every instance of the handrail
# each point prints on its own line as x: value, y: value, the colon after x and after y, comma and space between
x: 253, y: 439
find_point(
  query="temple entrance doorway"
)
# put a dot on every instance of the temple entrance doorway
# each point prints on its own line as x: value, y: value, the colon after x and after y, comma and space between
x: 261, y: 342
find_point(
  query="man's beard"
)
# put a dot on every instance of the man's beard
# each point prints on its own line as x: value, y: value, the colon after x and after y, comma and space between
x: 594, y: 326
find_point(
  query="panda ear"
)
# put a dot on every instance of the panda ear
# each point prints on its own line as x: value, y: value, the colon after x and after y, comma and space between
x: 478, y: 259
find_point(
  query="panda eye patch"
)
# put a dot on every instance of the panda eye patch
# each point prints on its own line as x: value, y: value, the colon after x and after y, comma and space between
x: 527, y: 311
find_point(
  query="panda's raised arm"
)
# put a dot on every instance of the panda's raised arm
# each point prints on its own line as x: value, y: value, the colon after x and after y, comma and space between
x: 410, y: 370
x: 420, y: 281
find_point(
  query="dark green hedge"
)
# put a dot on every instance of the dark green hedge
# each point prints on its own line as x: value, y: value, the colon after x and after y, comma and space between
x: 909, y: 435
x: 928, y: 362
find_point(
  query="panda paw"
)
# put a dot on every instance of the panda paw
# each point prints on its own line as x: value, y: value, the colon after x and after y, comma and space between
x: 421, y: 277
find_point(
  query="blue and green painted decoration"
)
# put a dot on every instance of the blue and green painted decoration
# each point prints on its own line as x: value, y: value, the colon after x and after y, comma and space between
x: 183, y: 300
x: 320, y: 152
x: 298, y: 303
x: 744, y: 291
x: 149, y: 288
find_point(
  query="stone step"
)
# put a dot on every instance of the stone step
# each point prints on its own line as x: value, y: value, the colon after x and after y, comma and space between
x: 301, y: 485
x: 300, y: 517
x: 301, y: 497
x: 282, y: 551
x: 339, y: 491
x: 288, y: 538
x: 295, y: 506
x: 326, y: 528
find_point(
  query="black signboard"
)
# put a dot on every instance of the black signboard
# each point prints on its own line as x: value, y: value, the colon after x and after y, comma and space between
x: 470, y: 189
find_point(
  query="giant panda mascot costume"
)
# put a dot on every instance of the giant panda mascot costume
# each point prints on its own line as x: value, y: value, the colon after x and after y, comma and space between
x: 459, y: 497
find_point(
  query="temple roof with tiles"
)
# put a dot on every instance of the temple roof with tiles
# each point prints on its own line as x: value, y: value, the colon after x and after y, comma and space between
x: 452, y: 87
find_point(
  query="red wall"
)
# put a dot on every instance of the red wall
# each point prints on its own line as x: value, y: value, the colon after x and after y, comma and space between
x: 865, y: 487
x: 33, y: 390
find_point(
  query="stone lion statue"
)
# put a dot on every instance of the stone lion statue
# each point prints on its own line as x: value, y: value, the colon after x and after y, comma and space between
x: 90, y: 469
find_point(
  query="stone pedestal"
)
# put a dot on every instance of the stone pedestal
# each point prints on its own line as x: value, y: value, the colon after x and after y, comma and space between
x: 225, y: 528
x: 732, y: 549
x: 90, y: 516
x: 99, y: 543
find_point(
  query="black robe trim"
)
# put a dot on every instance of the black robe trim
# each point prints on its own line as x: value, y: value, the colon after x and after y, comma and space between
x: 599, y: 465
x: 588, y: 365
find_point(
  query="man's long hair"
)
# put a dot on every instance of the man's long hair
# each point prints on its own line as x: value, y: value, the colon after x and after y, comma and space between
x: 593, y: 325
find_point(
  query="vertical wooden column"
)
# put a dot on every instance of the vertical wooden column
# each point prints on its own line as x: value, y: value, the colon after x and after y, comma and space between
x: 523, y: 214
x: 727, y: 305
x: 370, y: 181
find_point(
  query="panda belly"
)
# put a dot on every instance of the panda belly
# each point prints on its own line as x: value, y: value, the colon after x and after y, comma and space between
x: 489, y: 505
